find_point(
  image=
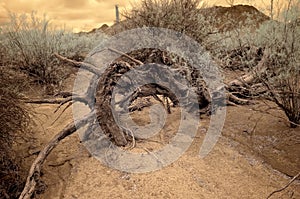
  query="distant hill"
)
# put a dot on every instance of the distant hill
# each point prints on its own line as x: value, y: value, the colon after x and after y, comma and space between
x: 223, y: 18
x: 102, y: 29
x: 228, y: 18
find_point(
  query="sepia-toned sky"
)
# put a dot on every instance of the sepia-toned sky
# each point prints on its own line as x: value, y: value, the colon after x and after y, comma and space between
x: 78, y: 15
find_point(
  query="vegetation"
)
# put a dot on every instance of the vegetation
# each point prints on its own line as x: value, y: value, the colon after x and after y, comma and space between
x: 275, y: 44
x: 282, y: 52
x: 270, y: 56
x: 14, y: 122
x: 179, y: 15
x: 31, y: 41
x: 240, y: 45
x: 27, y: 44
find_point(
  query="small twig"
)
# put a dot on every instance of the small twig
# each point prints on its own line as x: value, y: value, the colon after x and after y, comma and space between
x: 151, y: 153
x: 168, y: 105
x: 140, y: 106
x: 125, y: 55
x: 286, y: 186
x: 64, y: 94
x: 237, y: 100
x: 133, y: 139
x: 62, y: 103
x: 61, y: 163
x: 70, y: 103
x: 150, y: 140
x: 229, y: 103
x: 131, y: 134
x: 33, y: 153
x: 255, y: 125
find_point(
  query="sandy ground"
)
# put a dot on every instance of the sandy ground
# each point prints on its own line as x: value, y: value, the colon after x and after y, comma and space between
x: 238, y: 166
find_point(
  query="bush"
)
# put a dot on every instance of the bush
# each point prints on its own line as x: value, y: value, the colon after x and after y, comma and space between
x: 275, y: 41
x: 282, y: 77
x: 180, y: 15
x: 14, y: 121
x: 31, y: 41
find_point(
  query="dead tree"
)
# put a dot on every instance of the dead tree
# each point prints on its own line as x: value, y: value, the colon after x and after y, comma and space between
x: 104, y: 82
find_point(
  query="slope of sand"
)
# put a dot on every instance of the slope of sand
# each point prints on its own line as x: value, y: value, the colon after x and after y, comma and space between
x: 229, y: 171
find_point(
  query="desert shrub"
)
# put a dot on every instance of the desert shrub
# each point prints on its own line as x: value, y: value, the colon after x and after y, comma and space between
x: 179, y: 15
x: 234, y: 44
x: 282, y: 75
x: 234, y: 49
x: 14, y: 122
x: 30, y: 42
x: 277, y: 43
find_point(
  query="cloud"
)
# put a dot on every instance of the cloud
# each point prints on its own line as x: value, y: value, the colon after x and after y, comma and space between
x: 77, y: 14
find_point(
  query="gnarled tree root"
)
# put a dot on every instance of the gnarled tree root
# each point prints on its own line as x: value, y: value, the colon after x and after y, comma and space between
x: 34, y: 172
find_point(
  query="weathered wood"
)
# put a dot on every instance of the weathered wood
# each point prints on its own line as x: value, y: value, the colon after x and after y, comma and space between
x: 35, y: 170
x: 103, y: 95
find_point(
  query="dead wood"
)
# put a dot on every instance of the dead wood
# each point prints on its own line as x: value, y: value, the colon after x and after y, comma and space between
x: 61, y: 101
x: 113, y: 73
x: 140, y: 104
x: 64, y: 94
x: 103, y: 84
x: 45, y: 101
x: 251, y: 77
x: 286, y: 186
x: 234, y: 100
x: 34, y: 172
x: 170, y: 65
x: 127, y: 56
x: 83, y: 65
x: 124, y: 64
x: 241, y: 90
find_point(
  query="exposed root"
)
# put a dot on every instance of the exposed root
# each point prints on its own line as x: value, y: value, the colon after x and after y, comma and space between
x: 34, y: 172
x: 70, y: 104
x: 102, y: 94
x: 236, y: 100
x: 45, y: 101
x: 140, y: 105
x: 83, y: 65
x: 286, y: 186
x: 127, y: 56
x: 64, y: 94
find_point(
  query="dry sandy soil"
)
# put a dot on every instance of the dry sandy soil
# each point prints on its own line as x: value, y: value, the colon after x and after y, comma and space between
x: 243, y: 164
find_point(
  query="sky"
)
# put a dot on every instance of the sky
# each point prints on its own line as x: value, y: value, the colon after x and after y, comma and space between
x: 78, y: 15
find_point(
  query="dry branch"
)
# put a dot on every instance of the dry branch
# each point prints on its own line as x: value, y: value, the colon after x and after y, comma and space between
x: 127, y: 56
x: 34, y: 173
x: 286, y: 186
x: 45, y: 101
x: 102, y: 94
x: 61, y: 101
x: 83, y: 65
x: 252, y: 76
x: 236, y: 100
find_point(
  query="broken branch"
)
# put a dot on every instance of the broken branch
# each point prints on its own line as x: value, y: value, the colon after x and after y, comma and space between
x: 286, y: 186
x: 89, y: 67
x: 34, y: 172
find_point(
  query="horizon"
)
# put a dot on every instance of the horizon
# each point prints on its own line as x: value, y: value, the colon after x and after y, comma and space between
x: 84, y: 15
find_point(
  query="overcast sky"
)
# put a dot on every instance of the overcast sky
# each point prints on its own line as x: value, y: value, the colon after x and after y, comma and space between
x: 75, y: 14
